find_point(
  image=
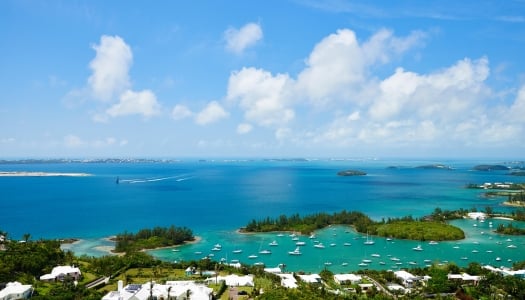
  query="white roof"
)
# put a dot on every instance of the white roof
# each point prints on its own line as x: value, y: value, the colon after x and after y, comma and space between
x: 273, y: 270
x: 176, y: 289
x: 14, y: 288
x: 287, y: 280
x: 58, y: 270
x: 234, y: 280
x: 312, y: 278
x: 347, y: 277
x: 476, y: 215
x: 404, y: 275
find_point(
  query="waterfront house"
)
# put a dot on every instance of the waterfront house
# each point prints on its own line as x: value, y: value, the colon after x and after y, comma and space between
x: 407, y: 279
x: 16, y: 290
x: 288, y: 280
x: 61, y: 272
x: 464, y: 278
x: 311, y: 278
x: 347, y: 278
x: 233, y: 280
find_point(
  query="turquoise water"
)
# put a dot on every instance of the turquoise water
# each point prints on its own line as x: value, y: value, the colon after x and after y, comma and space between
x: 214, y: 198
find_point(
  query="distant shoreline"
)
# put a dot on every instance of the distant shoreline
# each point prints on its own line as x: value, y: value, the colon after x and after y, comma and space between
x: 41, y: 174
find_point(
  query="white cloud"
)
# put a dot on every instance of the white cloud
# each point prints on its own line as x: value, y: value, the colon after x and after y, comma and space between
x: 244, y: 128
x: 110, y: 68
x: 142, y: 103
x: 237, y: 40
x: 213, y: 112
x: 338, y: 67
x: 74, y: 141
x: 180, y: 112
x: 261, y: 95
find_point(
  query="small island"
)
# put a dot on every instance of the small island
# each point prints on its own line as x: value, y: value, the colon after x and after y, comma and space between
x: 399, y: 228
x: 491, y: 168
x: 351, y: 173
x: 157, y: 237
x: 434, y: 167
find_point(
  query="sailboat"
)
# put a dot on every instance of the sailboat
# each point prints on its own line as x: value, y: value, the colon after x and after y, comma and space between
x: 297, y: 251
x: 368, y: 241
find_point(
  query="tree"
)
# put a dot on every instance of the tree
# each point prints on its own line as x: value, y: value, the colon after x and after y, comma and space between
x: 26, y: 237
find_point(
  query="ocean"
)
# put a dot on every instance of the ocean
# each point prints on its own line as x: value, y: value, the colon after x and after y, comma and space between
x: 216, y: 197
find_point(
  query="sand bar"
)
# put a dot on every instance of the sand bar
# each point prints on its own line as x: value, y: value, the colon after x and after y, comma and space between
x: 41, y: 174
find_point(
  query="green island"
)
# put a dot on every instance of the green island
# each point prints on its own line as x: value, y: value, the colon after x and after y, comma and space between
x: 510, y: 230
x: 351, y: 173
x: 514, y: 192
x: 432, y: 227
x: 157, y: 237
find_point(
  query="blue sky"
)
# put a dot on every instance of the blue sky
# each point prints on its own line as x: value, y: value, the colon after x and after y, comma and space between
x: 299, y: 78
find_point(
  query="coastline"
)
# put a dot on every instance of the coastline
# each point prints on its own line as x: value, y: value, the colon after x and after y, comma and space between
x: 41, y: 174
x: 514, y: 204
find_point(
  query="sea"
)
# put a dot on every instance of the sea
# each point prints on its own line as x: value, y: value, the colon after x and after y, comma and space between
x: 216, y: 197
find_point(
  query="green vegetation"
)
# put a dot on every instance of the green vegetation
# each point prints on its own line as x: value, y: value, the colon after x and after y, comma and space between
x: 510, y: 230
x: 432, y: 228
x: 351, y: 173
x: 26, y: 261
x: 420, y: 230
x: 152, y: 238
x: 491, y: 168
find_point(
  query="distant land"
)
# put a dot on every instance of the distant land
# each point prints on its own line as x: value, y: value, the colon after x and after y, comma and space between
x: 351, y: 173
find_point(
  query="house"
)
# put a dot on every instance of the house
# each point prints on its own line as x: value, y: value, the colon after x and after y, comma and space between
x: 233, y: 280
x: 61, y: 272
x: 311, y: 278
x: 464, y: 278
x: 506, y: 271
x: 288, y: 280
x: 477, y: 215
x: 173, y: 289
x: 347, y: 278
x: 16, y: 290
x: 407, y: 279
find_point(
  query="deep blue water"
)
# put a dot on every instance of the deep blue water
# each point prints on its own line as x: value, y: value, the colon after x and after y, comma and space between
x: 214, y: 197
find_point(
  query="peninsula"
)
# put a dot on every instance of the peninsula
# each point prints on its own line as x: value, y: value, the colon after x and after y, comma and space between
x: 400, y: 228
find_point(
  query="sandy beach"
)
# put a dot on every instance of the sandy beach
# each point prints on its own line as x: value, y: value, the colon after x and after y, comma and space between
x: 41, y: 174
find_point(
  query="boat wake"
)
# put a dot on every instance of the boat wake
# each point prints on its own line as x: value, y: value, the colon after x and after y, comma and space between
x: 177, y: 178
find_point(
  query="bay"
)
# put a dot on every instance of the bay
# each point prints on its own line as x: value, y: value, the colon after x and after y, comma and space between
x: 216, y: 197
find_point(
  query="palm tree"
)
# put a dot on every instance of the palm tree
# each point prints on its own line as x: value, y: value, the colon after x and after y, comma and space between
x: 188, y: 293
x: 169, y: 290
x: 26, y: 237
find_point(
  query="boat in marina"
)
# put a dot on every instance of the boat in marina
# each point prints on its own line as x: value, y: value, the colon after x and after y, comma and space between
x: 333, y: 244
x: 344, y: 264
x: 376, y: 255
x: 366, y: 261
x: 363, y: 264
x: 300, y: 243
x: 512, y: 246
x: 253, y: 256
x: 347, y: 244
x: 265, y: 251
x: 319, y: 245
x: 297, y: 251
x: 432, y: 243
x: 273, y: 243
x: 236, y: 251
x: 368, y: 241
x: 418, y: 248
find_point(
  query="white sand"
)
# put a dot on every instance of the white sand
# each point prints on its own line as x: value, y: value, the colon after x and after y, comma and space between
x: 40, y: 174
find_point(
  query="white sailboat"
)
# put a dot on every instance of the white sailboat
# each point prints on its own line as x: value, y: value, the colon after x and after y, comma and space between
x: 368, y: 240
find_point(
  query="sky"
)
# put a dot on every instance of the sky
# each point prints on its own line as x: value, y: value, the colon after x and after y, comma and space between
x: 275, y: 78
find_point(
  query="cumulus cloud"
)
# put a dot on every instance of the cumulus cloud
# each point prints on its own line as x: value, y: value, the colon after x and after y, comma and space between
x: 110, y: 68
x: 213, y: 112
x: 180, y: 112
x: 244, y: 128
x: 238, y: 40
x: 338, y: 67
x: 261, y: 95
x: 141, y: 103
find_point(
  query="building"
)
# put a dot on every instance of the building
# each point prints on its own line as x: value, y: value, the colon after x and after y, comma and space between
x: 233, y: 280
x: 16, y: 290
x: 170, y: 290
x: 288, y: 280
x: 61, y: 272
x: 407, y: 279
x: 464, y: 278
x: 311, y: 278
x: 347, y: 278
x: 506, y: 271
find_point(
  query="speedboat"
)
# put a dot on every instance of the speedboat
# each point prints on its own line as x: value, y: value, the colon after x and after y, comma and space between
x: 320, y: 246
x: 265, y: 252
